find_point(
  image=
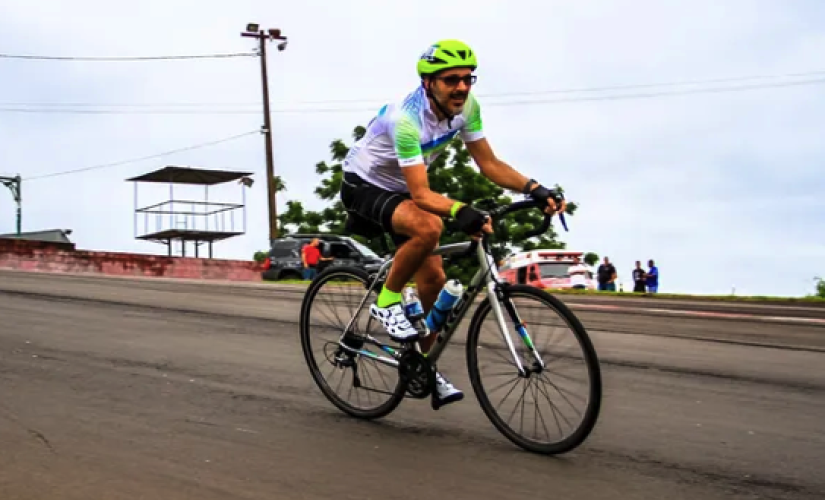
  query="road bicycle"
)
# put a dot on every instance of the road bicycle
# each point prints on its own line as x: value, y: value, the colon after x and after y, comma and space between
x: 352, y: 348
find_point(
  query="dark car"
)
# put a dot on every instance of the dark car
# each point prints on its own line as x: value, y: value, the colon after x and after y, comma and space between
x: 285, y: 255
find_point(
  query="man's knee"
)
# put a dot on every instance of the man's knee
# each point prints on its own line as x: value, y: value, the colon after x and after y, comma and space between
x: 411, y: 221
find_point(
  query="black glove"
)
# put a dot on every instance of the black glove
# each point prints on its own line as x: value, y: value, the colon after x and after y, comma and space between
x: 470, y: 220
x: 541, y: 193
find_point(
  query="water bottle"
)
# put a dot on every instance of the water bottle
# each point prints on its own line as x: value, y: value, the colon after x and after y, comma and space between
x: 447, y: 298
x: 412, y: 305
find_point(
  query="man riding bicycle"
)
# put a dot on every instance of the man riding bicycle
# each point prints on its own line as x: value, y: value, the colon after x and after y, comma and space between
x: 385, y: 181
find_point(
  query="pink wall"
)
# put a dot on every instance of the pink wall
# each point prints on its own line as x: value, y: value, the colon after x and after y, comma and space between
x: 63, y: 257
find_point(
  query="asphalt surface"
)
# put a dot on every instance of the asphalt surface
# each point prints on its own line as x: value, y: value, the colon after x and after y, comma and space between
x: 113, y: 388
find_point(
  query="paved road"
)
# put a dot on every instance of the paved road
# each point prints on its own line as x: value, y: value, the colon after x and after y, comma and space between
x: 149, y: 389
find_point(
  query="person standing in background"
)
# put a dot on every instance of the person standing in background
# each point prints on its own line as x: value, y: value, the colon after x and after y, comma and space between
x: 639, y: 276
x: 652, y: 277
x: 310, y: 255
x: 606, y: 275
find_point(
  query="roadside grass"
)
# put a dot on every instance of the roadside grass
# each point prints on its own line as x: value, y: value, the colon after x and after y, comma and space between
x: 638, y: 295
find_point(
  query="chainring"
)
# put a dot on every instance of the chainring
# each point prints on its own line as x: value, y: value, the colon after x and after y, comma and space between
x: 418, y: 373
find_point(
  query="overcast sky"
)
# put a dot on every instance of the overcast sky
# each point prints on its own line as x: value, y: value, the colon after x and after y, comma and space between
x: 722, y: 189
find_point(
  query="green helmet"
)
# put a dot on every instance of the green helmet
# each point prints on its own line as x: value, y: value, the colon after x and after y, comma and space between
x: 446, y: 54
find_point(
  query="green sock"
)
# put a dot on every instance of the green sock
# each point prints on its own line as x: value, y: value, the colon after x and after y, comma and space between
x: 387, y: 297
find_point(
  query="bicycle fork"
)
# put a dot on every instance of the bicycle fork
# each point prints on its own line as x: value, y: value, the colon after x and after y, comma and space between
x: 497, y: 295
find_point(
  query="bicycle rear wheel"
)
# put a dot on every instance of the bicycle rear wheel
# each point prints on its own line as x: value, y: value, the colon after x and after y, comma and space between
x: 329, y: 304
x: 485, y: 346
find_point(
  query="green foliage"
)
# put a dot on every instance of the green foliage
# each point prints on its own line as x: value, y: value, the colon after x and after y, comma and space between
x: 820, y: 287
x: 591, y: 258
x: 452, y: 175
x: 260, y: 257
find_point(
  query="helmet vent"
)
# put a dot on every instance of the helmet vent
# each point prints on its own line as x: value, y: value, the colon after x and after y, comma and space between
x: 449, y: 53
x: 462, y: 54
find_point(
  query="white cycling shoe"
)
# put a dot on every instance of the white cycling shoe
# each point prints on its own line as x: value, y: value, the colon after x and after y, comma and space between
x: 395, y: 322
x: 445, y: 392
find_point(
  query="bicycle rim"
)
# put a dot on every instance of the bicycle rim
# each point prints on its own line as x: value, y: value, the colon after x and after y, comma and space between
x: 328, y: 306
x: 494, y: 375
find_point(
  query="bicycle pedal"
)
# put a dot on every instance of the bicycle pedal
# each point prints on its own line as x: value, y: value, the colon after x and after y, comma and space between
x: 417, y: 372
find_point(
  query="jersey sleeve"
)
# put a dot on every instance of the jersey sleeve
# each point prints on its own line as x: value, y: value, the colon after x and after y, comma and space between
x: 406, y: 138
x: 472, y: 130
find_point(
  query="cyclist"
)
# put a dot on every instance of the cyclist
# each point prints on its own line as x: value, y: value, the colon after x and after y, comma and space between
x: 385, y: 182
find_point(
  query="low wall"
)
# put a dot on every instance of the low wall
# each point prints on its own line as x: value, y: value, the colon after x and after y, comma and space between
x: 48, y: 257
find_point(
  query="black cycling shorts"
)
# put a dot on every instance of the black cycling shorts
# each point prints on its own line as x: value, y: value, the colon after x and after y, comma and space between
x: 372, y: 203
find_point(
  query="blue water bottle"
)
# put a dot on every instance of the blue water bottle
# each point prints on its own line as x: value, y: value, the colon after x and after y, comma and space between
x: 447, y: 298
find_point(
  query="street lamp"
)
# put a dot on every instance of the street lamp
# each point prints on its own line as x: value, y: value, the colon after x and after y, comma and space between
x: 253, y: 31
x: 15, y: 184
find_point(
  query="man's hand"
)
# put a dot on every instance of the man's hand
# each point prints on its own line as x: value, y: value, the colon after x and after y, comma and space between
x: 487, y: 228
x: 539, y: 192
x: 473, y: 222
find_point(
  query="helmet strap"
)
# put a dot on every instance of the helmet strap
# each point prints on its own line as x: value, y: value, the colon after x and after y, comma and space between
x: 438, y: 104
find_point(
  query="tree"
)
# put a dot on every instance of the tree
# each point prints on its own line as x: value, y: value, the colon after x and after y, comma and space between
x: 331, y: 219
x: 820, y: 287
x: 591, y: 258
x: 452, y: 175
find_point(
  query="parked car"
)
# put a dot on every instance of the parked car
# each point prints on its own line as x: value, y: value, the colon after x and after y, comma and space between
x: 543, y: 269
x: 284, y: 260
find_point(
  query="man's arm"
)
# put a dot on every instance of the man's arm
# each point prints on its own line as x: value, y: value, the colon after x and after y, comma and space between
x: 419, y: 186
x: 495, y: 169
x: 407, y: 139
x: 491, y: 167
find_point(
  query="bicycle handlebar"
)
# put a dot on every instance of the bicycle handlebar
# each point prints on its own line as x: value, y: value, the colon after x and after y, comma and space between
x: 525, y: 204
x: 501, y: 211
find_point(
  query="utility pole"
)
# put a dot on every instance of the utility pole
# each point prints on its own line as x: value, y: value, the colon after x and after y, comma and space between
x: 263, y: 36
x: 14, y: 184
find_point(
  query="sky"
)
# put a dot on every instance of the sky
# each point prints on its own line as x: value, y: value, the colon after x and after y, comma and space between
x: 719, y: 182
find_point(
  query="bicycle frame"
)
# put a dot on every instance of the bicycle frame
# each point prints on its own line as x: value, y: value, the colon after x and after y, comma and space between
x: 487, y: 267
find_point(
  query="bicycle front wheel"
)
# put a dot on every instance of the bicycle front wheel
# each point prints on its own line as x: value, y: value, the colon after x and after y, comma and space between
x: 355, y: 382
x: 567, y: 356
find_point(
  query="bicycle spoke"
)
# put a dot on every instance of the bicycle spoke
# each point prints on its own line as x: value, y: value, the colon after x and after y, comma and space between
x: 558, y: 349
x: 329, y: 307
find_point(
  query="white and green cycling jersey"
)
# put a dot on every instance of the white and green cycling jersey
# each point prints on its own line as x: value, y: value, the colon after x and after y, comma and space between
x: 408, y: 133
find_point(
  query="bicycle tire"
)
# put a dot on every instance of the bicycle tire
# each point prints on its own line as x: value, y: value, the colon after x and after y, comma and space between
x: 306, y: 345
x: 593, y: 368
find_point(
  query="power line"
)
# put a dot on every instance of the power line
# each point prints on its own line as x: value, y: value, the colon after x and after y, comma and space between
x: 710, y: 90
x: 150, y: 157
x: 614, y: 97
x: 126, y: 58
x: 480, y: 95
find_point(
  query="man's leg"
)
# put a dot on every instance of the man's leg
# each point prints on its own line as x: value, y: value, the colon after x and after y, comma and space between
x: 429, y: 280
x: 423, y: 231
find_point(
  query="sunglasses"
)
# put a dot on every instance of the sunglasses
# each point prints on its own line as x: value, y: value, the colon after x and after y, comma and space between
x: 453, y: 80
